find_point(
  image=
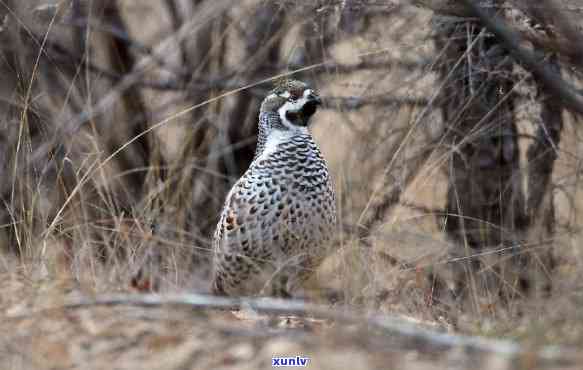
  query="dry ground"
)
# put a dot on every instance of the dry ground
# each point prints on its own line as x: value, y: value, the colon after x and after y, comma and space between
x: 56, y: 323
x: 41, y: 329
x: 39, y: 332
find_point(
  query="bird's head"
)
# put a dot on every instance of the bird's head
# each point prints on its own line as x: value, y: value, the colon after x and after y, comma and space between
x: 294, y: 101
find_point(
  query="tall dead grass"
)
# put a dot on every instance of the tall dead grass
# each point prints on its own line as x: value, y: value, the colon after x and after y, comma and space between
x: 124, y: 124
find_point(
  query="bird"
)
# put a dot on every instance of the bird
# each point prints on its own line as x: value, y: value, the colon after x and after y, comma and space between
x: 279, y: 219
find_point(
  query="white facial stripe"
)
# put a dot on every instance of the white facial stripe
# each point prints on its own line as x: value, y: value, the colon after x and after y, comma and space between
x: 285, y: 108
x: 291, y: 106
x: 308, y: 92
x: 294, y: 105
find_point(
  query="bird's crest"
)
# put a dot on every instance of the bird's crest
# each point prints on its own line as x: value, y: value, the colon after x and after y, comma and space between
x: 281, y: 83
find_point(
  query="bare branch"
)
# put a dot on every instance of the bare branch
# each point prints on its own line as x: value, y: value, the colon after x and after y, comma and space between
x: 555, y: 83
x: 357, y: 102
x: 420, y: 337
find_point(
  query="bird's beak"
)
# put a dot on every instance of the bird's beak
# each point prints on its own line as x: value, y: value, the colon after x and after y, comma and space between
x: 315, y: 99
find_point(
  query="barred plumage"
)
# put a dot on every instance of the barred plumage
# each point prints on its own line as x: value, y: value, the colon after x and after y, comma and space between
x: 279, y: 218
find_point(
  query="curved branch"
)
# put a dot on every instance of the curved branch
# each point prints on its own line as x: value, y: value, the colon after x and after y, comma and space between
x: 564, y: 91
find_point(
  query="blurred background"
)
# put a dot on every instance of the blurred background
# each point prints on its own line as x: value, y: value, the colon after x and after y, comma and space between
x: 123, y: 125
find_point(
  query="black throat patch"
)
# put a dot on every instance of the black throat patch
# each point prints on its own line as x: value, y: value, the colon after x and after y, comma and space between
x: 302, y: 116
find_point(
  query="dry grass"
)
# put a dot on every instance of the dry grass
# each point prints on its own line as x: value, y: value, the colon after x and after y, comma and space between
x: 119, y: 139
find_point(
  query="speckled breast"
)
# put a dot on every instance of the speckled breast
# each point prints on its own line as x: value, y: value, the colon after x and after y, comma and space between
x: 294, y: 188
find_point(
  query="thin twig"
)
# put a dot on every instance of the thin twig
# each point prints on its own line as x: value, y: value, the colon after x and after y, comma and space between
x: 555, y: 83
x: 357, y: 102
